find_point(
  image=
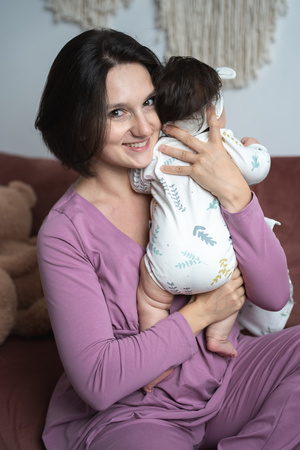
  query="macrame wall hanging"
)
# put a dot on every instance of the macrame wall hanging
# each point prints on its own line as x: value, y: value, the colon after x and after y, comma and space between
x: 87, y: 13
x: 234, y: 33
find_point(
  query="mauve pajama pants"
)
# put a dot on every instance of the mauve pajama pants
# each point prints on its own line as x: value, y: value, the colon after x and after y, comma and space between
x: 261, y: 409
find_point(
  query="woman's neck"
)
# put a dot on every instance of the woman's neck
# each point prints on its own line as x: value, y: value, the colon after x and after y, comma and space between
x: 124, y: 208
x: 105, y: 186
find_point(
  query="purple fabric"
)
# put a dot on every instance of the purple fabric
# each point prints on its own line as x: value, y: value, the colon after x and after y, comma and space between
x: 90, y: 273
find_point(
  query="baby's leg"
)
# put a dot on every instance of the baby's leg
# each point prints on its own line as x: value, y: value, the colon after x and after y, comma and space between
x: 217, y: 337
x: 153, y: 304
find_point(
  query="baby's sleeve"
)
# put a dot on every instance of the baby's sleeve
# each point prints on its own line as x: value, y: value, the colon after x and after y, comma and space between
x: 253, y: 161
x: 138, y: 182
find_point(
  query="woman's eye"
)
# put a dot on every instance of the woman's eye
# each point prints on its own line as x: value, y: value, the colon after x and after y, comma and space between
x: 116, y: 114
x: 150, y: 101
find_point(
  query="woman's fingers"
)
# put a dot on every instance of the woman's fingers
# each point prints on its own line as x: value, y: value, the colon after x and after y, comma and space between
x: 182, y: 135
x: 178, y: 153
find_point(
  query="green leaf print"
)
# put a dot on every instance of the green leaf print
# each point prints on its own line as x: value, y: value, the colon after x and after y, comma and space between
x: 152, y: 245
x: 199, y: 232
x: 213, y: 205
x: 190, y: 261
x: 255, y: 163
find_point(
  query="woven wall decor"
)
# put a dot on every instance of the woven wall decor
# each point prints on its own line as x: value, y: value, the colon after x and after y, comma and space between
x: 233, y: 33
x: 87, y: 13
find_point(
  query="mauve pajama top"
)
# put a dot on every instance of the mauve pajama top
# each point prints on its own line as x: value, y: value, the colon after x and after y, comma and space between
x: 90, y: 273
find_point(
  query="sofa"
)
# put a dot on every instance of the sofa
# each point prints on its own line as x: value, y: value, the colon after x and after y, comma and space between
x: 29, y: 368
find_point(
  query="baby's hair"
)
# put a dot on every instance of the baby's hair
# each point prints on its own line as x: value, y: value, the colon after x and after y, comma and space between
x: 186, y: 87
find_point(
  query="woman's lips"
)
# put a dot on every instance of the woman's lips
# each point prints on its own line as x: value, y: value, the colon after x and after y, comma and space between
x: 138, y: 146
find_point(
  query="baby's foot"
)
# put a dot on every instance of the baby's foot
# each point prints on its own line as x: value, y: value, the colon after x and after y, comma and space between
x: 221, y: 346
x: 150, y: 386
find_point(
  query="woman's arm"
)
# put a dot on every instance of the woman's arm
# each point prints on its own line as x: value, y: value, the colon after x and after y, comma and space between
x: 261, y: 258
x: 211, y: 307
x: 101, y: 368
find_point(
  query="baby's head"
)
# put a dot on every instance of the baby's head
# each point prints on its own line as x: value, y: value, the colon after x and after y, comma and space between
x: 186, y: 87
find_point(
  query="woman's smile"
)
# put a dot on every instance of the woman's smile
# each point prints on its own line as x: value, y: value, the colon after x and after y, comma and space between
x: 138, y: 146
x: 133, y: 123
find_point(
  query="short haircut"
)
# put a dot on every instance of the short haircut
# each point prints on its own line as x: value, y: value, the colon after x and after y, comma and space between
x: 72, y: 115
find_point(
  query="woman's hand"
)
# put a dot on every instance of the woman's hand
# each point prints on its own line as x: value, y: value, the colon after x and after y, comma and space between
x: 210, y: 165
x: 211, y: 307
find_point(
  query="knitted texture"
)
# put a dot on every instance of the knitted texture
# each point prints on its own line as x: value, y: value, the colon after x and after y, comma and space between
x: 88, y: 13
x: 234, y: 33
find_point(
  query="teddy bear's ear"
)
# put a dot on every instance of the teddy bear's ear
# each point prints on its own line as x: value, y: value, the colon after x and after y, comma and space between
x: 26, y: 190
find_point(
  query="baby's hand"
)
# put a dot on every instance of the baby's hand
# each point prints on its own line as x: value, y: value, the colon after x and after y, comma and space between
x: 148, y: 388
x: 246, y: 141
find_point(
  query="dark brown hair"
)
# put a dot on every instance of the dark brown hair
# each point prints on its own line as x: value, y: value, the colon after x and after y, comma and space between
x: 186, y: 86
x: 72, y: 116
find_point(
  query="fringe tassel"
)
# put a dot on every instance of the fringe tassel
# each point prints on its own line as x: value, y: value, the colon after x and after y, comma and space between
x: 88, y: 13
x: 233, y: 33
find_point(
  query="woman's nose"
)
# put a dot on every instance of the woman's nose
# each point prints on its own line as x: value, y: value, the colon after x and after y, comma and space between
x: 141, y: 126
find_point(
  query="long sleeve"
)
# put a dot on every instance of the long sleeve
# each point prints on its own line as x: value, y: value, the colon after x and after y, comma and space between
x: 90, y: 279
x: 253, y: 161
x: 261, y: 258
x: 138, y: 182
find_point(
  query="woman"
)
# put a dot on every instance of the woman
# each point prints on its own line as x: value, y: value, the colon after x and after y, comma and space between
x: 97, y: 115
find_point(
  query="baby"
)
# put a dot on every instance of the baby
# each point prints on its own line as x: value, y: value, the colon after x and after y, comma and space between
x: 190, y: 249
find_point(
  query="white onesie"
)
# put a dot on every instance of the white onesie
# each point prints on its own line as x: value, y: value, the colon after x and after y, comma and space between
x: 190, y: 249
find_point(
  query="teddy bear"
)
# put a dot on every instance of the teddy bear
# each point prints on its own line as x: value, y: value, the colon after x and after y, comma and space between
x: 23, y: 309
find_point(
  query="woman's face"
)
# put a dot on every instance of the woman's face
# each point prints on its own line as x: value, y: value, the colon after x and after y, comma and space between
x: 133, y: 124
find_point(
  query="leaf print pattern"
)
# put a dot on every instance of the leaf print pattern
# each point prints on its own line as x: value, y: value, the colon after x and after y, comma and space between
x: 173, y: 193
x: 224, y: 271
x: 152, y: 243
x: 232, y: 138
x: 173, y: 288
x: 254, y: 162
x: 213, y: 205
x: 266, y: 332
x: 170, y: 161
x: 137, y: 182
x: 190, y: 260
x: 199, y: 232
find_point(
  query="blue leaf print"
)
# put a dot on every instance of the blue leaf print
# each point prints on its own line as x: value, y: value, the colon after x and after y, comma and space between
x: 214, y: 204
x: 190, y: 260
x: 199, y: 232
x: 169, y: 161
x: 255, y: 163
x: 173, y: 193
x: 138, y: 183
x: 152, y: 246
x: 173, y: 288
